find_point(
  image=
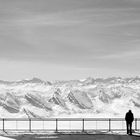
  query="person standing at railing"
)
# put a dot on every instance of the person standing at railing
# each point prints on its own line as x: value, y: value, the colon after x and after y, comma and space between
x: 129, y: 117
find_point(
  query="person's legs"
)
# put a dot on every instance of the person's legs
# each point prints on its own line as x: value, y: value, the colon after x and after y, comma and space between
x: 130, y: 125
x: 127, y: 126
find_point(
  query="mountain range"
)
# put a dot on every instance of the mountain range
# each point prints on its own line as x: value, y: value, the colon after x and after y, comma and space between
x: 90, y: 97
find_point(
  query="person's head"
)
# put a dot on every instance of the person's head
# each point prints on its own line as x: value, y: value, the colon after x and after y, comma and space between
x: 129, y: 111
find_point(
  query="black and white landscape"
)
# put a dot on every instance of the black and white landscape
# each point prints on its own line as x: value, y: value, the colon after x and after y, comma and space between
x: 84, y: 56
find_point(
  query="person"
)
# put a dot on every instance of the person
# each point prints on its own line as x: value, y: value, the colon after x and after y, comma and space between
x: 129, y: 118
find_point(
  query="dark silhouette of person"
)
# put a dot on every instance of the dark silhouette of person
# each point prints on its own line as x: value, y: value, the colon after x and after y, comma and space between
x: 129, y: 117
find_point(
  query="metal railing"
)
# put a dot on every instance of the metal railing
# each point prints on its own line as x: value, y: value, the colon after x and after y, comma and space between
x: 66, y: 124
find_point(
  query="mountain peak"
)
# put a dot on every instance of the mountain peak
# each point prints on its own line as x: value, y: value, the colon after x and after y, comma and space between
x: 33, y: 80
x: 36, y: 80
x: 25, y: 81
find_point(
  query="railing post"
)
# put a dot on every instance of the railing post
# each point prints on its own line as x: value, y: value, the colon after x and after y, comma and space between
x: 109, y: 124
x: 83, y: 125
x: 135, y: 124
x: 16, y: 125
x: 43, y: 124
x: 56, y: 125
x: 3, y: 125
x: 30, y: 127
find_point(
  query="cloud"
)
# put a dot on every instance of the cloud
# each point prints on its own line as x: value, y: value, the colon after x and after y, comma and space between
x: 71, y: 33
x: 86, y: 32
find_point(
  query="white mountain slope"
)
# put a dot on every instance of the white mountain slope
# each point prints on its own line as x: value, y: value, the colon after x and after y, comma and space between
x: 80, y: 99
x: 10, y: 103
x: 35, y: 98
x: 38, y: 101
x: 57, y: 99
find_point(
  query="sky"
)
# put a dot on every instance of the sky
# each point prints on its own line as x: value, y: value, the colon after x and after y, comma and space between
x: 69, y: 39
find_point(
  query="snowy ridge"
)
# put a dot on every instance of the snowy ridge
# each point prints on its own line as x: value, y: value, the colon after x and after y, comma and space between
x: 38, y: 101
x: 57, y: 99
x: 81, y: 99
x: 90, y: 97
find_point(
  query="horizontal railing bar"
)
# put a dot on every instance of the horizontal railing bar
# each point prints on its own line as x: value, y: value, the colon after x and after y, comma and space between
x: 65, y: 130
x: 65, y: 119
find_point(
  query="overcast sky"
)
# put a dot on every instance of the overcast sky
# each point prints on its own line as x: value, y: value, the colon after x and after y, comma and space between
x: 69, y: 39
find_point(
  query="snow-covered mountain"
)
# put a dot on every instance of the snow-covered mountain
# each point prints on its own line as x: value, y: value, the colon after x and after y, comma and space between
x: 90, y: 97
x: 26, y: 81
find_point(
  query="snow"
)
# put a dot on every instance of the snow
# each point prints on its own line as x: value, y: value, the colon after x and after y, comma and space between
x: 110, y: 97
x: 6, y: 138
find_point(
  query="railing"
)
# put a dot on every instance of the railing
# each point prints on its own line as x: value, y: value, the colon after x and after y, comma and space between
x: 66, y: 124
